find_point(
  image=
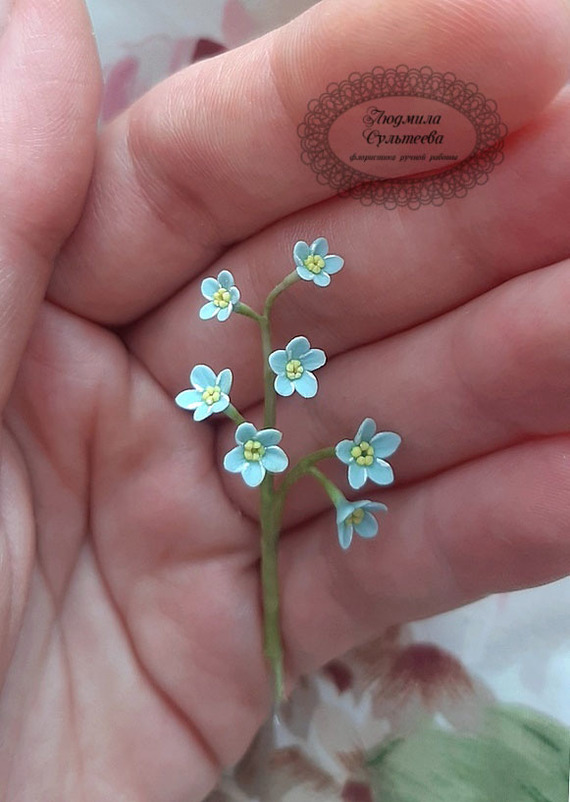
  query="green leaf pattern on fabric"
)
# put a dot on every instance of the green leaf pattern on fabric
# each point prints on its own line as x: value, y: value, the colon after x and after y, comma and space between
x: 518, y: 756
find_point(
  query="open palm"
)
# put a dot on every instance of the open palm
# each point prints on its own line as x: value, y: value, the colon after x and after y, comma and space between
x: 130, y: 635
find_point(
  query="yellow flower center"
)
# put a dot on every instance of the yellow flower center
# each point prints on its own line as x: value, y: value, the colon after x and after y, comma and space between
x: 211, y: 395
x: 314, y: 263
x: 355, y: 517
x: 294, y: 369
x: 363, y: 454
x: 253, y: 451
x: 221, y: 298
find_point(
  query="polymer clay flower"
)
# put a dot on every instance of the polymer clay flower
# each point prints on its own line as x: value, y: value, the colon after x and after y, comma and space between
x: 209, y: 393
x: 313, y: 262
x: 222, y: 296
x: 364, y: 455
x: 293, y: 367
x: 256, y: 452
x: 356, y: 516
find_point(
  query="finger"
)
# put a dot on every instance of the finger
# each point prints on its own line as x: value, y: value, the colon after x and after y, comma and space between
x: 489, y: 375
x: 396, y: 275
x: 49, y: 79
x: 212, y: 155
x: 497, y: 524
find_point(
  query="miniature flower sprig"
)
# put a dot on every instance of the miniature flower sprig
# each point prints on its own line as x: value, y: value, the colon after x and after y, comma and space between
x: 258, y: 457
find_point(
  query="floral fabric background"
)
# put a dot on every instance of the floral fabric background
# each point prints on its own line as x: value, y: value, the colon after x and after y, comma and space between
x: 471, y: 706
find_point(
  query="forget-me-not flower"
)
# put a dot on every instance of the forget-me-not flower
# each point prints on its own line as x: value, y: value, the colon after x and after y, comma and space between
x: 209, y: 393
x: 313, y: 262
x: 222, y: 296
x: 356, y: 516
x: 293, y: 367
x: 364, y: 455
x: 256, y: 452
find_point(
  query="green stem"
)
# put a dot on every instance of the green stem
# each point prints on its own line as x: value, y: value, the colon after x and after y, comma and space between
x: 335, y: 495
x: 287, y: 281
x: 270, y: 524
x: 303, y: 467
x: 247, y: 311
x: 272, y: 645
x: 234, y: 414
x: 268, y: 375
x: 331, y: 489
x: 271, y: 508
x: 271, y: 512
x: 306, y: 467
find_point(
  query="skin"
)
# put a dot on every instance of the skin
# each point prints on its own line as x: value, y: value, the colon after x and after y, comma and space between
x: 130, y: 644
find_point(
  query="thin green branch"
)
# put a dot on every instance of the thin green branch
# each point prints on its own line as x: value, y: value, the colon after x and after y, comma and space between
x: 234, y: 414
x: 330, y: 488
x: 272, y: 644
x: 287, y: 281
x: 268, y: 375
x: 247, y: 311
x: 303, y: 467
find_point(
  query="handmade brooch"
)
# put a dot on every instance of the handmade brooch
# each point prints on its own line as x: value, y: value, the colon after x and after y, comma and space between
x: 258, y: 456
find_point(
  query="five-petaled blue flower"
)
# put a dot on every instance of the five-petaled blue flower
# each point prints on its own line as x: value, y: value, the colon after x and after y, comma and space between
x: 210, y: 393
x: 293, y: 367
x: 313, y: 264
x: 364, y: 454
x: 256, y: 452
x: 356, y: 515
x: 222, y: 295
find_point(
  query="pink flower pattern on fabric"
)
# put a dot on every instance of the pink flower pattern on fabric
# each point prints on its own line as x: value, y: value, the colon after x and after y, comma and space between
x: 147, y: 63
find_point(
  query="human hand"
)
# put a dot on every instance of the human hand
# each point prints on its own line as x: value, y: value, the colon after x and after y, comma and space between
x: 132, y: 643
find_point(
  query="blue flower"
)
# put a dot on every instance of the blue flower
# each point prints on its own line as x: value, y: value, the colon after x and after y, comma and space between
x: 313, y: 264
x: 222, y: 296
x: 293, y: 367
x: 363, y: 455
x: 256, y: 452
x: 356, y: 515
x: 210, y: 393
